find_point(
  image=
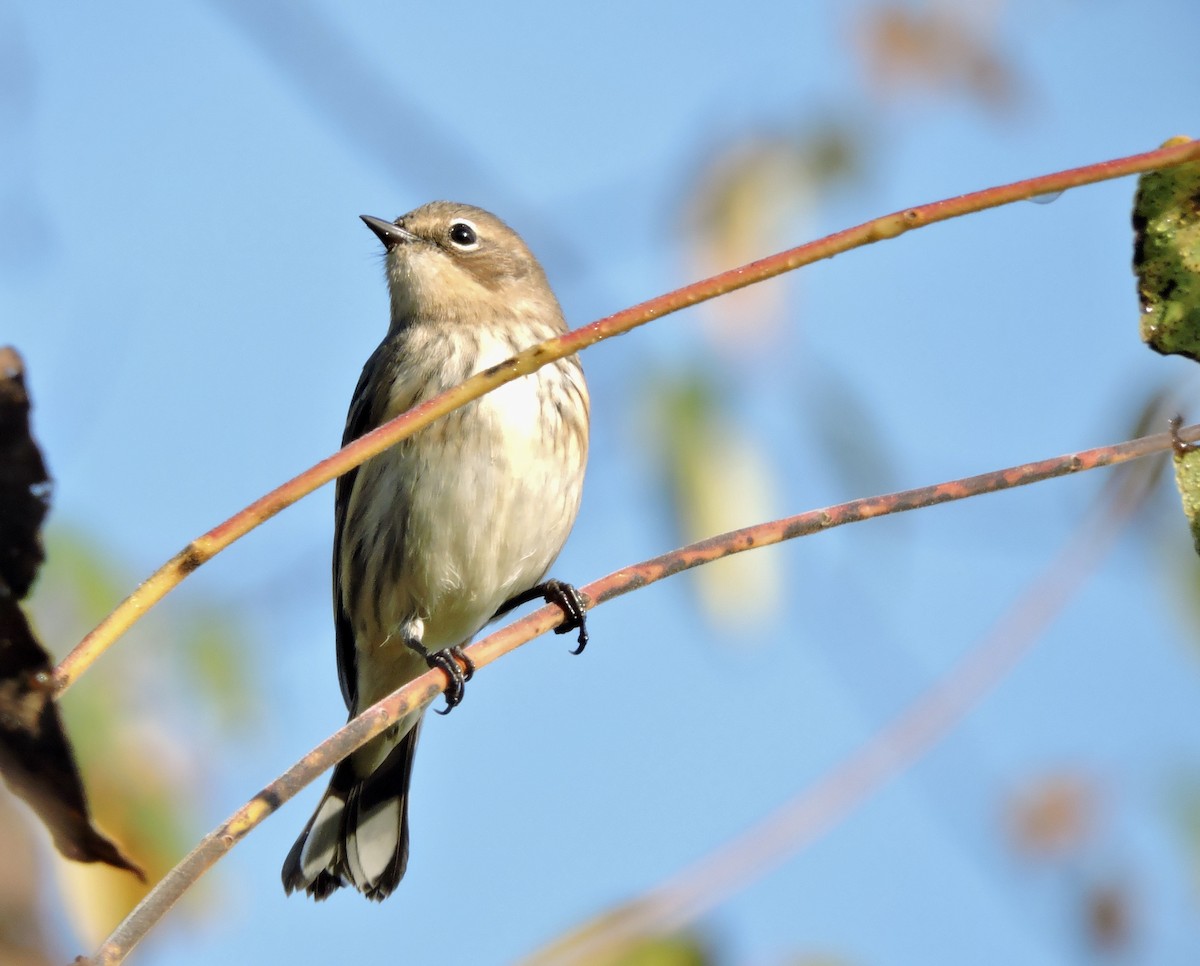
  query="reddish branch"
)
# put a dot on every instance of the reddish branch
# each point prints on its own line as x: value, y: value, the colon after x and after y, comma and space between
x: 202, y: 549
x: 425, y: 688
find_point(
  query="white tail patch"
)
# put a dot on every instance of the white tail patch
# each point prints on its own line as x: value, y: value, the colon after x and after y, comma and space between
x: 323, y: 838
x: 372, y: 843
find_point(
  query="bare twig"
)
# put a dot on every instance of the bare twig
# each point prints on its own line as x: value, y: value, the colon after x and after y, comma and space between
x: 425, y: 688
x: 203, y: 548
x: 706, y: 883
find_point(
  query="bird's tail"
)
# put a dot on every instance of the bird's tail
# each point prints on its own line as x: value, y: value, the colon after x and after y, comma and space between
x: 359, y: 833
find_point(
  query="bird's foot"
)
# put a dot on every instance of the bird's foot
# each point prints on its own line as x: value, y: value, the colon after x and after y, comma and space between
x: 447, y: 662
x: 569, y: 600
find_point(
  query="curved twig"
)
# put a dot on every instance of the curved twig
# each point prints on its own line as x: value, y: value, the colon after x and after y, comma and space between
x: 425, y: 688
x: 699, y: 887
x: 205, y: 547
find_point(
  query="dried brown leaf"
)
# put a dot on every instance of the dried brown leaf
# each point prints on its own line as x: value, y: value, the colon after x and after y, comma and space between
x: 35, y: 755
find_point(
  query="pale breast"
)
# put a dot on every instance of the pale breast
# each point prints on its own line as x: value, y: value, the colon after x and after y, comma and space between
x: 471, y: 511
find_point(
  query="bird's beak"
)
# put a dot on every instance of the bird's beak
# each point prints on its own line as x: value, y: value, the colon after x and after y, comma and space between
x: 388, y: 232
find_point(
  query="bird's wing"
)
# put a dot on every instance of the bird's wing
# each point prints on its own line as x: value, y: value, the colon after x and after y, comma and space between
x: 366, y: 412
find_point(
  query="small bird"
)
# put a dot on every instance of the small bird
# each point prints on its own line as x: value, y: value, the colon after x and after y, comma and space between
x: 448, y: 529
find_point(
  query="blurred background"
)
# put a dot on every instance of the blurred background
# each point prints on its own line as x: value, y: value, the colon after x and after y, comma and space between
x: 184, y: 271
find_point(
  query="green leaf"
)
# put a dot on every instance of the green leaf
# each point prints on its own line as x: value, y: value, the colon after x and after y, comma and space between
x: 1166, y: 257
x: 1187, y: 478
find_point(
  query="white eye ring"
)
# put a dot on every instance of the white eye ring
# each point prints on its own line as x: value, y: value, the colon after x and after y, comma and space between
x: 463, y: 235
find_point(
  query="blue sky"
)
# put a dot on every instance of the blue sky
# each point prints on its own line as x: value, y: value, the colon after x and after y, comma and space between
x: 183, y: 269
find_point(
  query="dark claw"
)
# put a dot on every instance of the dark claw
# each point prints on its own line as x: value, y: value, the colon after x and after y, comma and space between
x: 447, y: 661
x: 569, y: 600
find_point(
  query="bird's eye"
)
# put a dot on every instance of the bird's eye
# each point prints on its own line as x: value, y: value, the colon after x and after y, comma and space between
x: 462, y: 234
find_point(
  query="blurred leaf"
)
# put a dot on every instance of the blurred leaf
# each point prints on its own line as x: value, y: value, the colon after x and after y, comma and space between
x: 213, y: 653
x: 135, y: 716
x: 142, y: 790
x: 718, y: 480
x: 747, y: 202
x: 205, y: 644
x: 604, y: 941
x: 94, y: 583
x: 941, y: 49
x: 665, y: 951
x: 1108, y: 916
x: 1166, y: 257
x: 36, y: 758
x: 1054, y: 816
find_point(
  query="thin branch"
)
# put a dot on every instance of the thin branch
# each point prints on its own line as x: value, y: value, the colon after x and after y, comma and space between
x: 203, y: 548
x: 797, y: 824
x: 426, y: 687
